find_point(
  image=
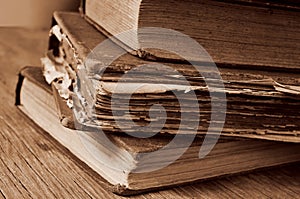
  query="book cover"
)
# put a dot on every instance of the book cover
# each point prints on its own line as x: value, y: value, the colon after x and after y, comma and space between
x: 256, y: 104
x: 129, y: 164
x: 259, y: 34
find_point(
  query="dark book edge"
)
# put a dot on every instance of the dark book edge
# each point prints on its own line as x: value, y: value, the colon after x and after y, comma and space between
x: 34, y: 74
x: 18, y: 89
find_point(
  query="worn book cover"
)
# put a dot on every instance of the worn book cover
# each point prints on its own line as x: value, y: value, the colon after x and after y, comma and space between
x: 132, y: 165
x: 260, y: 103
x: 256, y: 34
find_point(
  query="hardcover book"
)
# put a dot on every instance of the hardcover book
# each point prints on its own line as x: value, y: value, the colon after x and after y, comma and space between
x: 260, y: 103
x: 130, y: 165
x: 256, y: 34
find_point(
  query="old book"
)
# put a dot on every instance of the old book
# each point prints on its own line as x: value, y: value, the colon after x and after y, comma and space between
x: 128, y: 163
x: 254, y: 34
x: 256, y: 106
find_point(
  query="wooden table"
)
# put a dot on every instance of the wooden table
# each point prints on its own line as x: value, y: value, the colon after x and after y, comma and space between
x: 34, y: 165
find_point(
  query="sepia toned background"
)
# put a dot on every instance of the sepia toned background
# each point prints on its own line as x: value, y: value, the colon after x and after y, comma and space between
x: 32, y: 13
x: 34, y: 165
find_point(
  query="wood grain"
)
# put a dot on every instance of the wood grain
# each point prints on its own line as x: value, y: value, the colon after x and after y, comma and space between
x: 33, y: 165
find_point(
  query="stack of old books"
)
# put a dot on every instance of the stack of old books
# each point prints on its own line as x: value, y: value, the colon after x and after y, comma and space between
x: 153, y: 94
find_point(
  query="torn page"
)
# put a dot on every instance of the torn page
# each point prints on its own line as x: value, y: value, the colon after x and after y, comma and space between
x: 288, y: 89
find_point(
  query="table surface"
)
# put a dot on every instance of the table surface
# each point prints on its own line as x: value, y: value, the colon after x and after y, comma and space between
x: 34, y: 165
